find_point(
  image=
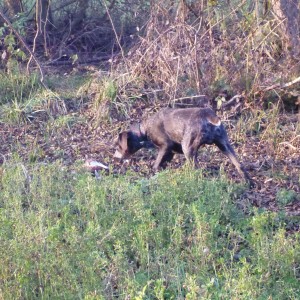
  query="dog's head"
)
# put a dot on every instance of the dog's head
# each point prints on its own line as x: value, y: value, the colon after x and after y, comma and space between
x: 128, y: 143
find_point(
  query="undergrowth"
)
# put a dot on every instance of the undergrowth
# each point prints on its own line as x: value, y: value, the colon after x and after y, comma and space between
x: 23, y: 99
x: 195, y: 48
x: 176, y: 235
x: 17, y: 86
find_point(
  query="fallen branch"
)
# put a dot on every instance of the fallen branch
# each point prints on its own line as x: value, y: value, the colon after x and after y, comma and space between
x: 60, y: 62
x: 188, y: 97
x: 235, y: 98
x: 278, y: 85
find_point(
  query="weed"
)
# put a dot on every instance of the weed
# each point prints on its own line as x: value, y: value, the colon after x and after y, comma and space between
x: 67, y: 86
x: 64, y: 122
x: 17, y: 87
x: 42, y: 105
x: 15, y: 112
x: 104, y: 93
x: 173, y: 236
x: 284, y: 197
x: 36, y: 153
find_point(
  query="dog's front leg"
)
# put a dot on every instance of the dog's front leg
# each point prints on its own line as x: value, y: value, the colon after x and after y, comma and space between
x: 191, y: 157
x: 226, y: 148
x: 190, y: 146
x: 164, y: 155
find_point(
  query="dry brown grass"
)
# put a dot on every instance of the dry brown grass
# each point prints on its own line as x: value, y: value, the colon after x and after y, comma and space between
x: 195, y: 49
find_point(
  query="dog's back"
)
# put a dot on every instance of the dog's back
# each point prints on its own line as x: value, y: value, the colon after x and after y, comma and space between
x: 174, y: 124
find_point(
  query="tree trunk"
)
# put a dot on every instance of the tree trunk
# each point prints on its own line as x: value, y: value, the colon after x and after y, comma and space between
x: 14, y: 7
x: 288, y: 12
x: 42, y: 18
x: 80, y: 15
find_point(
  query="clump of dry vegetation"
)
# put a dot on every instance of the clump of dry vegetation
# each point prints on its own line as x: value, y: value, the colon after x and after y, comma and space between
x: 190, y: 48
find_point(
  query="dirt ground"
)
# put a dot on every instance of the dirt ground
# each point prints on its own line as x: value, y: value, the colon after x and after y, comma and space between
x: 274, y: 168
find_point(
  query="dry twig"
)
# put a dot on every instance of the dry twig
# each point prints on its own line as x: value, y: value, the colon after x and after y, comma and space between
x: 279, y: 86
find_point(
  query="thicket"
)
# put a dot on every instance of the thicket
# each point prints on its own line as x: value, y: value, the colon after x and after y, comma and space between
x: 179, y: 48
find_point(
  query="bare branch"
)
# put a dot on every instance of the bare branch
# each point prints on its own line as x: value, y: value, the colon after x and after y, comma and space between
x: 24, y: 44
x: 114, y: 29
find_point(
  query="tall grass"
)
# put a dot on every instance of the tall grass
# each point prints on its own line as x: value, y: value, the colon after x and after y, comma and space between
x: 24, y: 99
x: 173, y: 236
x: 17, y: 87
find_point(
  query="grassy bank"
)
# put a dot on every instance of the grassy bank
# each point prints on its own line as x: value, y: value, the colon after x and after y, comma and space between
x: 176, y: 235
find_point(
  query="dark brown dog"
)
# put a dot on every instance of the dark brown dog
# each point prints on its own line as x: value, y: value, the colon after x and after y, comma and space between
x: 178, y: 131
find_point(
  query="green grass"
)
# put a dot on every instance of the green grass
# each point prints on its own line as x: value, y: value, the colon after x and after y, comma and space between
x: 66, y: 85
x: 66, y: 235
x: 17, y: 87
x: 23, y: 98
